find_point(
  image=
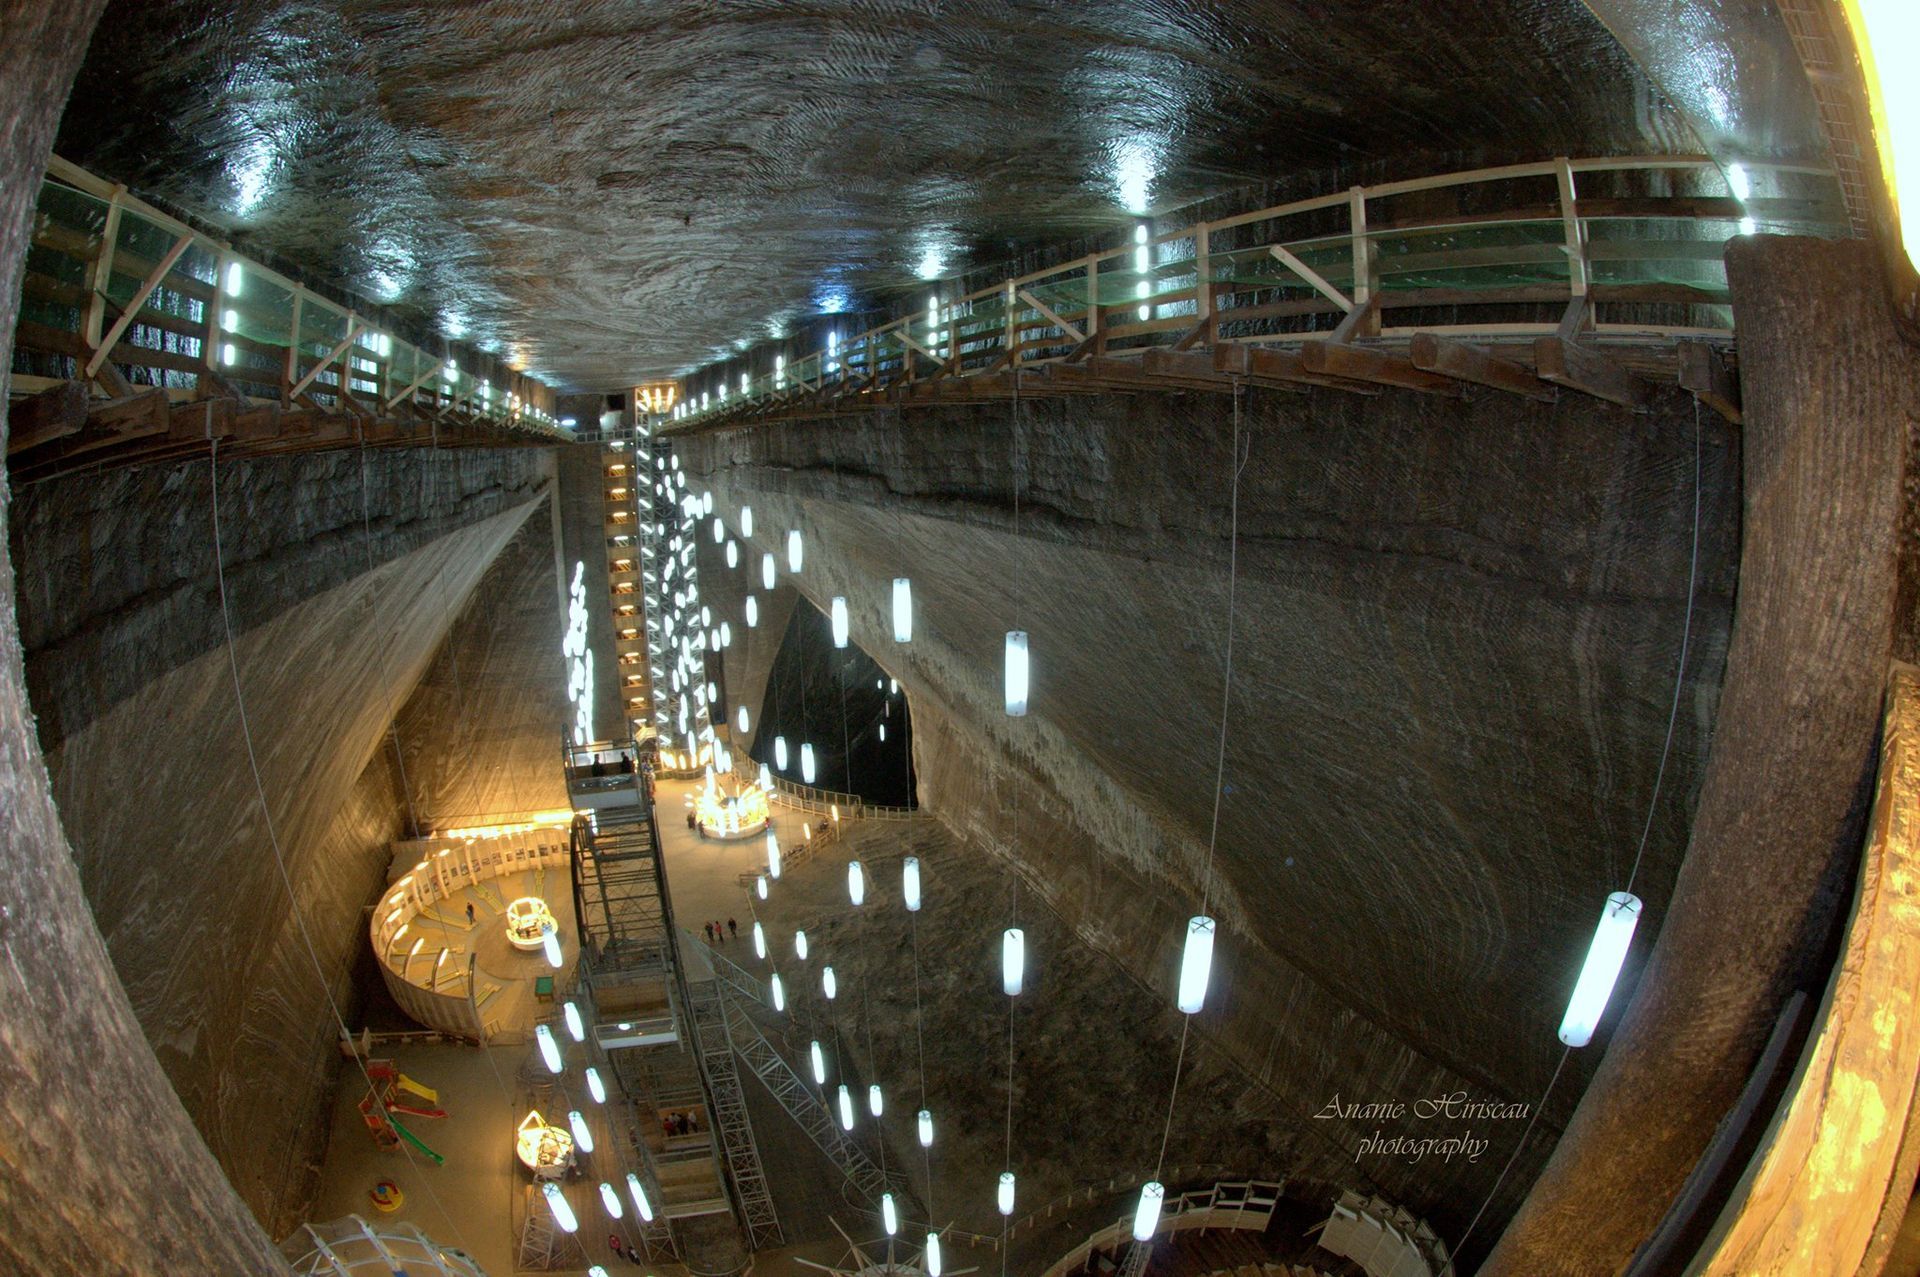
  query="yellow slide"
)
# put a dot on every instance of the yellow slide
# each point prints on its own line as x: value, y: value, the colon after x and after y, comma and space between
x: 426, y: 1093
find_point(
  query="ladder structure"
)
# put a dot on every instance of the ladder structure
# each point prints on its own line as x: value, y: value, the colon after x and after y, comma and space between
x: 1138, y: 1256
x: 708, y: 1000
x: 811, y: 1112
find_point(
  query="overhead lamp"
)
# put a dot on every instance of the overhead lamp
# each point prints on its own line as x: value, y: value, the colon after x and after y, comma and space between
x: 733, y: 554
x: 1604, y: 957
x: 746, y: 520
x: 1196, y: 962
x: 856, y: 883
x: 806, y: 762
x: 819, y: 1059
x: 760, y: 886
x: 876, y: 1103
x: 582, y: 1136
x: 773, y: 856
x: 766, y: 570
x: 780, y: 752
x: 611, y: 1200
x: 902, y: 609
x: 828, y: 985
x: 800, y: 945
x: 575, y: 1028
x: 557, y: 1203
x: 1016, y: 671
x: 793, y: 551
x: 839, y: 620
x: 1013, y: 961
x: 932, y: 1256
x: 551, y: 942
x: 740, y: 717
x: 595, y: 1087
x: 639, y: 1196
x: 753, y: 612
x: 235, y: 278
x: 1146, y: 1215
x: 779, y: 993
x: 1006, y: 1193
x: 759, y: 941
x: 923, y: 1125
x: 889, y: 1214
x: 846, y: 1108
x: 549, y: 1048
x: 910, y: 883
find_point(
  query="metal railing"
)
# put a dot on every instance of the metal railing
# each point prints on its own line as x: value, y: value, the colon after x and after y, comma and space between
x: 1494, y: 253
x: 113, y: 283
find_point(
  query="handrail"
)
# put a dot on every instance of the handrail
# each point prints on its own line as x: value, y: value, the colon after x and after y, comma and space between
x: 1251, y: 1203
x: 1165, y: 287
x: 346, y: 352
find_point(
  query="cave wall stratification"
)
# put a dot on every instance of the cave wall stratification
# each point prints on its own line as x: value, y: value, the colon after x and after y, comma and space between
x: 1458, y: 626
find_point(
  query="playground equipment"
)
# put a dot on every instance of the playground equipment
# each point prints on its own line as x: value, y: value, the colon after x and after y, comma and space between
x: 545, y: 1150
x: 394, y: 1092
x: 386, y: 1196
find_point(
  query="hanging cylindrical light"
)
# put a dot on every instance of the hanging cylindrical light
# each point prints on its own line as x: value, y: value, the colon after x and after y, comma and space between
x: 883, y: 733
x: 759, y: 942
x: 639, y: 1196
x: 746, y: 520
x: 933, y: 1255
x: 753, y: 612
x: 549, y: 1049
x: 910, y: 883
x: 611, y: 1200
x: 575, y: 1029
x: 902, y: 609
x: 766, y: 778
x: 793, y: 550
x: 719, y: 529
x: 733, y: 554
x: 1604, y: 956
x: 806, y: 762
x: 582, y: 1136
x: 889, y: 1214
x: 829, y: 985
x: 1006, y: 1193
x: 1016, y: 672
x: 766, y: 571
x: 800, y: 945
x: 846, y: 1108
x: 856, y: 883
x: 780, y: 752
x: 561, y: 1208
x: 1013, y: 961
x: 760, y: 886
x: 773, y: 857
x: 779, y: 993
x: 923, y: 1123
x: 1196, y: 963
x: 551, y: 944
x: 1146, y: 1215
x: 740, y: 717
x: 876, y: 1102
x: 595, y: 1087
x: 819, y: 1059
x: 839, y: 612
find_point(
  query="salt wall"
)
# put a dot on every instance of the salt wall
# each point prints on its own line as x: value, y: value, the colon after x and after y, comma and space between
x: 1457, y: 628
x: 344, y: 573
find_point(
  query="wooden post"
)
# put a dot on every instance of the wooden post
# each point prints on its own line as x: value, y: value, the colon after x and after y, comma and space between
x: 1576, y: 245
x: 100, y: 272
x: 1362, y: 246
x: 1203, y: 277
x: 210, y: 340
x: 1011, y: 339
x: 1093, y: 300
x: 292, y: 372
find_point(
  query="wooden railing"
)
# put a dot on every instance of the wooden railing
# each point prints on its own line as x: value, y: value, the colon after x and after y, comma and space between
x: 1515, y: 254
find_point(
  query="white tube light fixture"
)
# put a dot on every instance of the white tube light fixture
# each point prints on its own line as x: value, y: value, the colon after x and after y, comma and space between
x: 1604, y: 956
x: 595, y: 1087
x: 551, y: 944
x: 562, y: 1210
x: 1013, y: 961
x: 819, y: 1059
x: 779, y: 993
x: 760, y: 886
x: 773, y: 857
x: 746, y: 520
x: 800, y: 945
x: 236, y: 276
x: 839, y: 620
x: 910, y: 883
x: 846, y: 1108
x: 780, y: 752
x: 759, y: 942
x: 719, y: 531
x: 582, y: 1136
x: 1146, y: 1215
x: 1016, y: 672
x: 733, y: 554
x: 740, y: 717
x: 902, y: 610
x: 829, y: 985
x: 793, y: 550
x: 933, y: 1255
x: 766, y: 570
x: 876, y: 1102
x: 889, y: 1214
x: 611, y: 1200
x: 549, y: 1049
x: 1006, y: 1193
x: 806, y: 762
x: 923, y: 1126
x: 1196, y: 963
x: 856, y: 883
x: 575, y: 1029
x: 639, y: 1196
x: 753, y: 612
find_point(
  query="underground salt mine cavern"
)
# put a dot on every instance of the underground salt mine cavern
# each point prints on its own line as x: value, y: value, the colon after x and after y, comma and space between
x: 1152, y: 637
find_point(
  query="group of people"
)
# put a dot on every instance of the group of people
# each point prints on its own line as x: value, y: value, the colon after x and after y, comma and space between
x: 687, y: 1123
x: 716, y: 933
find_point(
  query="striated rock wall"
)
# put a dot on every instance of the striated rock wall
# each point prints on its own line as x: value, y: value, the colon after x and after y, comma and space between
x: 1457, y: 629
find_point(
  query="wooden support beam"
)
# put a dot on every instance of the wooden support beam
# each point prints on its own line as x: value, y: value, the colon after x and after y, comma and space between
x: 1359, y: 363
x: 1704, y: 372
x: 140, y: 295
x: 1464, y: 361
x: 1073, y: 334
x: 52, y: 414
x: 1198, y: 335
x: 1277, y: 370
x: 1311, y: 275
x: 414, y: 386
x: 1190, y: 368
x: 1580, y: 367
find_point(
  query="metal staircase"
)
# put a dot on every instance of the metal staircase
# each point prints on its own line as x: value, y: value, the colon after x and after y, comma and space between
x: 708, y: 1001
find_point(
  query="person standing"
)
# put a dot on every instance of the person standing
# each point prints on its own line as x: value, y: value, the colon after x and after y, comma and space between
x: 709, y: 930
x: 733, y: 928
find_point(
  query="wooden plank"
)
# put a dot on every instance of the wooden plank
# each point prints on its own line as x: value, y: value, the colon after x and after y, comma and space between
x: 1072, y: 333
x: 1704, y: 372
x: 140, y: 295
x: 1278, y: 369
x: 1569, y: 363
x: 51, y: 414
x: 1312, y: 276
x: 1358, y: 363
x: 1467, y: 362
x: 1193, y: 368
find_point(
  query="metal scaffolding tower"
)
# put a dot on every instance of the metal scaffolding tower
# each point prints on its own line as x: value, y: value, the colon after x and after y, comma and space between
x: 708, y: 1000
